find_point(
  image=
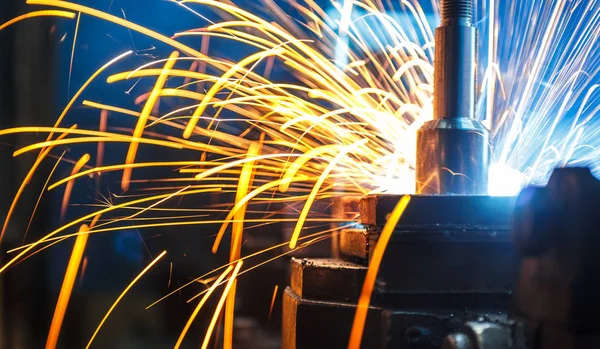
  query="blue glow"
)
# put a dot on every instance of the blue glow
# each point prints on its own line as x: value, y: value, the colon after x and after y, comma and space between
x: 504, y: 181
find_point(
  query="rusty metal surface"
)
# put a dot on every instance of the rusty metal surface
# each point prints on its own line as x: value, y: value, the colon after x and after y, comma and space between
x: 288, y: 321
x: 354, y: 245
x: 327, y: 279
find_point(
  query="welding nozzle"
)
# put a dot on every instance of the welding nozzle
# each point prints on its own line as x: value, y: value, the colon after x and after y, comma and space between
x: 453, y: 149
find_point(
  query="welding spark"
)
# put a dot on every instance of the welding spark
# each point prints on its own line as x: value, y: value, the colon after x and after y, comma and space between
x: 341, y: 123
x: 67, y: 287
x: 364, y: 300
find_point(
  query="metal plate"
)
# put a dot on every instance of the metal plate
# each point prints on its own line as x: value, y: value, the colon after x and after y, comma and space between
x: 440, y: 211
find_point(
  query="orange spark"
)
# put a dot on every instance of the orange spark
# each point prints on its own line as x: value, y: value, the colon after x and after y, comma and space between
x: 141, y: 124
x: 199, y: 306
x: 37, y: 203
x: 66, y: 288
x: 362, y: 307
x: 202, y: 66
x: 83, y: 87
x: 242, y: 189
x: 273, y: 302
x: 119, y: 21
x: 101, y: 128
x: 215, y: 317
x: 73, y: 52
x: 114, y: 305
x: 244, y: 202
x: 26, y: 181
x: 54, y: 13
x: 199, y: 279
x: 269, y: 66
x: 221, y: 82
x: 237, y: 231
x: 100, y: 148
x: 83, y: 269
x: 317, y: 187
x: 170, y: 274
x: 69, y: 187
x: 192, y: 67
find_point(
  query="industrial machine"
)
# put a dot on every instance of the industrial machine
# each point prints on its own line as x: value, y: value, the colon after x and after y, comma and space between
x: 449, y: 261
x: 462, y: 270
x: 555, y: 304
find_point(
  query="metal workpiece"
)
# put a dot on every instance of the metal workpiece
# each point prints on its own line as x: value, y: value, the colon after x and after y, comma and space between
x: 326, y: 279
x: 354, y: 245
x: 447, y: 278
x: 453, y: 150
x: 487, y: 335
x: 455, y: 213
x: 423, y: 272
x: 449, y: 261
x: 324, y: 324
x: 318, y: 324
x: 453, y: 157
x: 343, y: 208
x: 437, y: 240
x: 319, y: 305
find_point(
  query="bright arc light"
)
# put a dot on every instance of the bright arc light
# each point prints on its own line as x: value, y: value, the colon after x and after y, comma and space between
x: 504, y: 181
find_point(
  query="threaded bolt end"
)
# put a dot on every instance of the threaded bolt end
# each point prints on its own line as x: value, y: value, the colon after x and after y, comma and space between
x: 457, y: 10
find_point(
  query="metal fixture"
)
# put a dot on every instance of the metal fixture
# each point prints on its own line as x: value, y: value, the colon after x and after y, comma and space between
x: 453, y: 149
x: 449, y: 261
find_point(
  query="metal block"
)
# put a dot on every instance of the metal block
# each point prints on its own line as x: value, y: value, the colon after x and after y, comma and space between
x: 446, y: 267
x: 354, y: 245
x: 344, y: 208
x: 327, y: 279
x: 447, y: 212
x: 311, y: 324
x: 456, y: 248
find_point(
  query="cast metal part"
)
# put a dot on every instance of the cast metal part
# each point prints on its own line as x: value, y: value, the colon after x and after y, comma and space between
x: 453, y: 152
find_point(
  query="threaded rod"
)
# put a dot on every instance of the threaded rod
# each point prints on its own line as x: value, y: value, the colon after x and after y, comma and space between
x: 457, y: 10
